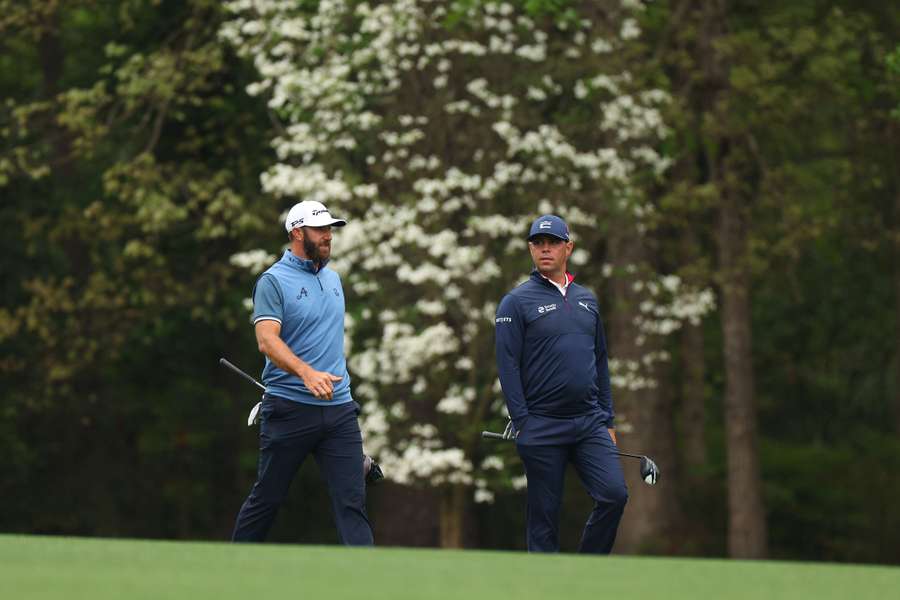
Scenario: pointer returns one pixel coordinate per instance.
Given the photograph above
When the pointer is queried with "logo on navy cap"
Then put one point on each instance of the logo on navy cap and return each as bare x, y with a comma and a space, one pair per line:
549, 225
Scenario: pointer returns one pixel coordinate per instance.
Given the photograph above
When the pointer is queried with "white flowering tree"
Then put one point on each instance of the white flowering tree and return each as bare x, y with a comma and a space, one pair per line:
441, 129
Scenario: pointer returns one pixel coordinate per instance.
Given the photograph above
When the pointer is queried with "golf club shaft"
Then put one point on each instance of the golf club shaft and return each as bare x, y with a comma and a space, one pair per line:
629, 455
237, 370
491, 435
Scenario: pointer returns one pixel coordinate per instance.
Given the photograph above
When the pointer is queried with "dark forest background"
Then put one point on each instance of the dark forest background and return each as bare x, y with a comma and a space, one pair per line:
130, 159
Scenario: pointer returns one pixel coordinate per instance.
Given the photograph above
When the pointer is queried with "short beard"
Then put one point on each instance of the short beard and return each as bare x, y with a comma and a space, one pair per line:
311, 250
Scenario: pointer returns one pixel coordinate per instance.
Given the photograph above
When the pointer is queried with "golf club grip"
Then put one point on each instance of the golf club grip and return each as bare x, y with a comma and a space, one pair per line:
491, 435
224, 362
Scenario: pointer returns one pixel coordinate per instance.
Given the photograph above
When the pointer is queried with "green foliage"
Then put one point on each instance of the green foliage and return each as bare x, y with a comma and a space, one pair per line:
129, 168
786, 105
130, 164
893, 64
834, 500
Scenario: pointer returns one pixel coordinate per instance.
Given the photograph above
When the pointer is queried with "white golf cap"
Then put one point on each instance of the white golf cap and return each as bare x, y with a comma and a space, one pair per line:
310, 213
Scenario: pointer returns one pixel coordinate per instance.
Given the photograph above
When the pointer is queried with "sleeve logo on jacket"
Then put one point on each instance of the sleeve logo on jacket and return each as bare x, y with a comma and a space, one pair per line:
503, 320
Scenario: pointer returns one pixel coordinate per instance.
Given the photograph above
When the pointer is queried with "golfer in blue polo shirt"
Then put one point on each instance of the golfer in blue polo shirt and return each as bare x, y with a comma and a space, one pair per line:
551, 358
298, 314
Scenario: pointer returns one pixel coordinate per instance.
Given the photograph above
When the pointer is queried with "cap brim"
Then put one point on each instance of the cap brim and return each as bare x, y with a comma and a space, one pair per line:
324, 223
548, 234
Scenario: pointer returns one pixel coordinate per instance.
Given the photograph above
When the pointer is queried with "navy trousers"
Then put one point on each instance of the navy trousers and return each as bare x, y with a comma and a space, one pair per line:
546, 445
288, 432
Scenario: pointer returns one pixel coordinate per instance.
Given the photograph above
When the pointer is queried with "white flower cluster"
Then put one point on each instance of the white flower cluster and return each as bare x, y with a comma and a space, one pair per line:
255, 261
457, 400
630, 374
669, 303
402, 351
440, 159
419, 463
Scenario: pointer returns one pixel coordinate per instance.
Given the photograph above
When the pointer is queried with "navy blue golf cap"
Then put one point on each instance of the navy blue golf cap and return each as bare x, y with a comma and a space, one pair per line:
549, 225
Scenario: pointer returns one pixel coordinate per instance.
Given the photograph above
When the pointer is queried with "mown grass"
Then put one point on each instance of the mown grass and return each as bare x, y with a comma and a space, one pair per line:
35, 567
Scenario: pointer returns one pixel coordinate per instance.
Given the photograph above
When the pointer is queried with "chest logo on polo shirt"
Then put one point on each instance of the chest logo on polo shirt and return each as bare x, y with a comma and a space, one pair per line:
546, 308
303, 293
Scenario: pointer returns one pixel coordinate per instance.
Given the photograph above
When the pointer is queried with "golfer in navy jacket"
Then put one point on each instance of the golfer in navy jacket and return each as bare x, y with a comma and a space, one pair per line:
298, 314
551, 358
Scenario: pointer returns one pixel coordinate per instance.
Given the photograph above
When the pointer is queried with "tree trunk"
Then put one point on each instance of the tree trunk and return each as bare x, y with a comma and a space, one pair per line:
693, 366
746, 516
453, 509
403, 515
643, 415
693, 405
897, 305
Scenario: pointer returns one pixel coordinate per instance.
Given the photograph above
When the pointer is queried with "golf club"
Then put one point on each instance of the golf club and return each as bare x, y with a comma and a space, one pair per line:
253, 417
236, 369
649, 471
372, 469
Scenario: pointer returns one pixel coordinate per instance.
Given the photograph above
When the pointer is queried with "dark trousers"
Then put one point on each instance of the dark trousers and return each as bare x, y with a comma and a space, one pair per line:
546, 446
288, 432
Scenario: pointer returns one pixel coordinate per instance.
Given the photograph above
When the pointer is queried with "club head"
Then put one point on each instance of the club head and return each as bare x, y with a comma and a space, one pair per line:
649, 471
253, 417
373, 471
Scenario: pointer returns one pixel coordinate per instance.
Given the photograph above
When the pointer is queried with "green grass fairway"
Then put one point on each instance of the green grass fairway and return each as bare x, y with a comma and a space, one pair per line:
36, 568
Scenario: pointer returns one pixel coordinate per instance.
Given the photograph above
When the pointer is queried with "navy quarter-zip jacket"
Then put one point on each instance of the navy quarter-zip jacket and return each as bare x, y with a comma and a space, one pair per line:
551, 352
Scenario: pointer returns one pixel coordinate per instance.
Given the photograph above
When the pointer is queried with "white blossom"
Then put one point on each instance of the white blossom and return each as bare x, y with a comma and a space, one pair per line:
255, 261
437, 222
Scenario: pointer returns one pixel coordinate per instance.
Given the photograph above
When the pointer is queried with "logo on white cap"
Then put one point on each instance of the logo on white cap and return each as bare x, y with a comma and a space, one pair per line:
310, 213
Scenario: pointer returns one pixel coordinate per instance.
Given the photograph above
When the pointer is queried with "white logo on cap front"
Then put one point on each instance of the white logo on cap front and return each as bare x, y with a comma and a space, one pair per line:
545, 225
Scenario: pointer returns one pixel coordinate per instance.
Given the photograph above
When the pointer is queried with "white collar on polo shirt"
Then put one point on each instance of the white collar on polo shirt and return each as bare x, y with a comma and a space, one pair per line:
562, 288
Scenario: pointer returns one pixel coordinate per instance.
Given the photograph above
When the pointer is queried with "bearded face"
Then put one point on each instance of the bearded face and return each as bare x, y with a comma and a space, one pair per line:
317, 243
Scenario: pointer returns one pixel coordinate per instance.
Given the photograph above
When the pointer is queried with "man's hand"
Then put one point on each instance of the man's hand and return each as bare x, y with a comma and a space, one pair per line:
612, 435
320, 383
510, 432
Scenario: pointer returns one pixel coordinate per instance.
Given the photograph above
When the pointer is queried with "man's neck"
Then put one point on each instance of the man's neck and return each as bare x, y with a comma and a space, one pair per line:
558, 278
297, 250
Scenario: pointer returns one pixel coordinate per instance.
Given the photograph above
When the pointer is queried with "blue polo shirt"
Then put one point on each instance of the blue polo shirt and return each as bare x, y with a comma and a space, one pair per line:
551, 352
309, 304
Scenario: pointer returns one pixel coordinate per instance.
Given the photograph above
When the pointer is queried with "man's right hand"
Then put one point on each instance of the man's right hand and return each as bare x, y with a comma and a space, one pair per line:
320, 383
